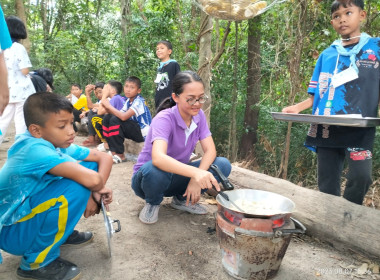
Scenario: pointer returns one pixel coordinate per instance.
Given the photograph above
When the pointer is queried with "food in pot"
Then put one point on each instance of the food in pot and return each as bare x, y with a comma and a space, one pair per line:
253, 207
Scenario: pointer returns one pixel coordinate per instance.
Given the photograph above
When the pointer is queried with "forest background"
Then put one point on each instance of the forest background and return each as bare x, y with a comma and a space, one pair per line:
250, 68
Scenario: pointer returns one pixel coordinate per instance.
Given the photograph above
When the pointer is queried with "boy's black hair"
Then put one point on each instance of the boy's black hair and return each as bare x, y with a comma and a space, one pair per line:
16, 28
46, 74
116, 85
76, 85
135, 80
345, 3
99, 85
38, 106
166, 43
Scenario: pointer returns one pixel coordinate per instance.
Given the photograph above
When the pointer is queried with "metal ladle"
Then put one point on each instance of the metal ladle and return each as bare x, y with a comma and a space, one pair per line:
225, 197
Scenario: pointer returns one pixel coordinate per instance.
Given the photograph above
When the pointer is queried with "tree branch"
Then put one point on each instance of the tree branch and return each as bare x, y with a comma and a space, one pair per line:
222, 47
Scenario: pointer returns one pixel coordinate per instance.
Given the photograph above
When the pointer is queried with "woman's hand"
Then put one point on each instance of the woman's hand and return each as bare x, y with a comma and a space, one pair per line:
193, 192
92, 208
205, 179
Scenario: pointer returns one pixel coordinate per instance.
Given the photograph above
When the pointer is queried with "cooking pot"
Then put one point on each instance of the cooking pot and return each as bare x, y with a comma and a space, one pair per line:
257, 203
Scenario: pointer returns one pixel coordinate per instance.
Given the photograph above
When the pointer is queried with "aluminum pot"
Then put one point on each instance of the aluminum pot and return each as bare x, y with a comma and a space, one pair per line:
257, 203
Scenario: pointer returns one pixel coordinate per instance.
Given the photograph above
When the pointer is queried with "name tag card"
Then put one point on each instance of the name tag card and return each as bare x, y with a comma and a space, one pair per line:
343, 77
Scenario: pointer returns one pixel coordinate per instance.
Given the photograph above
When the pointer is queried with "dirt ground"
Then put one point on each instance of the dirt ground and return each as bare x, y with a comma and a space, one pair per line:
179, 246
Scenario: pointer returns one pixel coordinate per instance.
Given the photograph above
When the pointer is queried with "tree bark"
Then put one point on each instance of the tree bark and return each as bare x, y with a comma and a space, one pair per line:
205, 53
125, 6
20, 11
295, 56
233, 138
251, 115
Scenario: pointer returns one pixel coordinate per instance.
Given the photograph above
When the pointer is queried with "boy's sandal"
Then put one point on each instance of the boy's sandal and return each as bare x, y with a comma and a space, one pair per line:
116, 159
101, 148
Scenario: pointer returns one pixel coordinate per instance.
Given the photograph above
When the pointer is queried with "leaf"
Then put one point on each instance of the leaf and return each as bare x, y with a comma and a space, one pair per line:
375, 269
211, 201
363, 269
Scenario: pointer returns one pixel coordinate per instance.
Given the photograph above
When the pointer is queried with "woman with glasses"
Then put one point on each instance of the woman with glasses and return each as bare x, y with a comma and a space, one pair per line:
163, 168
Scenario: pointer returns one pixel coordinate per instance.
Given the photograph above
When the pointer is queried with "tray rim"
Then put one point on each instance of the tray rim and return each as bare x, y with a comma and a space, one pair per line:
330, 120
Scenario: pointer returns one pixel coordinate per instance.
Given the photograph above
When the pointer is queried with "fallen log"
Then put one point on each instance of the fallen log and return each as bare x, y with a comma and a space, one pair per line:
329, 218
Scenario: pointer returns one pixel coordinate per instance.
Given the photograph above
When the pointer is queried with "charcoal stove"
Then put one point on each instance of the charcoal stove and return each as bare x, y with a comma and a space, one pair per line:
253, 246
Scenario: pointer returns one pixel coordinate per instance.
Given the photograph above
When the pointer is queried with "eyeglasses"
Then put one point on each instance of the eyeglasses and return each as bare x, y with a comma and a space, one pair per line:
201, 100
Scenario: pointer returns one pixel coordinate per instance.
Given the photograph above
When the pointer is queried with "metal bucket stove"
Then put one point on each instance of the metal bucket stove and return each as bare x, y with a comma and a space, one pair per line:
252, 246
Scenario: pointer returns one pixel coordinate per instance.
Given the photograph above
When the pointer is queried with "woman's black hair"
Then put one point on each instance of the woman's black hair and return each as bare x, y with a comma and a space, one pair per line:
16, 28
345, 3
179, 81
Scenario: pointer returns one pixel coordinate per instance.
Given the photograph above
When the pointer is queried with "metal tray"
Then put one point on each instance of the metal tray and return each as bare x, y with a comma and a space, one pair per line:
342, 120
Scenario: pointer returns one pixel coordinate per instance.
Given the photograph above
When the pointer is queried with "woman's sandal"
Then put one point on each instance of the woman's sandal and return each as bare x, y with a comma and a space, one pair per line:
116, 159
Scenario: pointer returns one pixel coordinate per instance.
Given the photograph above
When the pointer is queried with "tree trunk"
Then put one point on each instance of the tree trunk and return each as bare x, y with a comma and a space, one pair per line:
125, 6
20, 11
204, 64
295, 56
251, 116
233, 130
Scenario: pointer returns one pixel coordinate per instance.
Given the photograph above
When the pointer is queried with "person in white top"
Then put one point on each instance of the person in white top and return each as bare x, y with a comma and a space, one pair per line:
20, 85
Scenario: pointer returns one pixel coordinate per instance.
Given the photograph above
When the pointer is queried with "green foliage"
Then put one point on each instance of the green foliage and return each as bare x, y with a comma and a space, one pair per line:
82, 42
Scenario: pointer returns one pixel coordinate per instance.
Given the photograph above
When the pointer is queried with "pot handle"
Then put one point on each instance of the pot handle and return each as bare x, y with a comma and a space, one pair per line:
300, 229
118, 225
226, 184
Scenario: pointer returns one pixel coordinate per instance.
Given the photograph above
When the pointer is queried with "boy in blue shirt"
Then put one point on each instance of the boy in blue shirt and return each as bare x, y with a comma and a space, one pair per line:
346, 80
131, 122
46, 184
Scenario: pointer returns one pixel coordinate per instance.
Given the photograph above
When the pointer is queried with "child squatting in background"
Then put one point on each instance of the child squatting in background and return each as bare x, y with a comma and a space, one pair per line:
131, 122
46, 185
163, 168
346, 80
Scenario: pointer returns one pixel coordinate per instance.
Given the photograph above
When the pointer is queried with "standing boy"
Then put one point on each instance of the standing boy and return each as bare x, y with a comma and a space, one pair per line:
131, 122
166, 71
345, 81
46, 184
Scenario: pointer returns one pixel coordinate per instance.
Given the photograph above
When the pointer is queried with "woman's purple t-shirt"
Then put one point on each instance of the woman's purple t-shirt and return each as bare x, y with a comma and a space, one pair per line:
169, 126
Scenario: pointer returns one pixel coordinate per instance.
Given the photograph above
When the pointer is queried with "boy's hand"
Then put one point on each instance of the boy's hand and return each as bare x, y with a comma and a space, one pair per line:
105, 104
105, 193
291, 109
92, 208
106, 92
88, 89
82, 115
